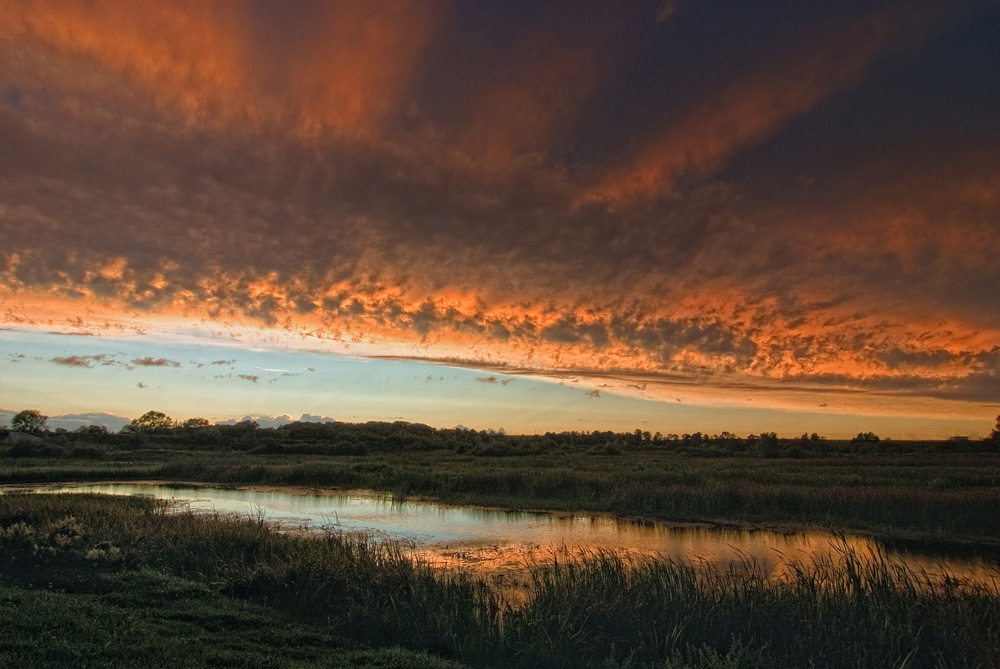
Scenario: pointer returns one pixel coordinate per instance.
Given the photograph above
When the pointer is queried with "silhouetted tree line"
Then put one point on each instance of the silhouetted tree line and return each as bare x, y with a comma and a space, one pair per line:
156, 429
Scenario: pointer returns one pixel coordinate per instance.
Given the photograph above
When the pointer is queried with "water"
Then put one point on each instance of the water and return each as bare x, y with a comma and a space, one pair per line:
501, 544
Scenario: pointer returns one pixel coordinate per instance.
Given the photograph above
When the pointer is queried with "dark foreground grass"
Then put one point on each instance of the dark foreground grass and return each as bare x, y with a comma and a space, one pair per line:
70, 616
221, 592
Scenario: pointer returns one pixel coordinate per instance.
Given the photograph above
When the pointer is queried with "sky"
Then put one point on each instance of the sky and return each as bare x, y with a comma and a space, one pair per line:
673, 215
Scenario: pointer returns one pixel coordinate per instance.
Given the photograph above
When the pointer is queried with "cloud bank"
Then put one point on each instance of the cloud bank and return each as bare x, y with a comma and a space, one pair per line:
700, 193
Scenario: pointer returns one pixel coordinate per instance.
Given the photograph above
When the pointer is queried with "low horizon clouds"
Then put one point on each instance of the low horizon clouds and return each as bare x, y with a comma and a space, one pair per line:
114, 422
112, 360
108, 360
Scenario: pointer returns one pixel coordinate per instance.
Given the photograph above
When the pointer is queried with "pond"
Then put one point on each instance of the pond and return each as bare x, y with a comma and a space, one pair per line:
502, 544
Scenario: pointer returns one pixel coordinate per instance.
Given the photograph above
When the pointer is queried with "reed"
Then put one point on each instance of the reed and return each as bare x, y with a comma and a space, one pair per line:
927, 493
605, 610
849, 613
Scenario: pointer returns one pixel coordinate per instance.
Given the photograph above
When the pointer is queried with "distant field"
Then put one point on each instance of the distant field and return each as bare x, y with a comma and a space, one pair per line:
930, 490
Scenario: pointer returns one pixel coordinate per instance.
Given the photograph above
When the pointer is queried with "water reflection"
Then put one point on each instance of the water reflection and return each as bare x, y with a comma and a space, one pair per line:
502, 544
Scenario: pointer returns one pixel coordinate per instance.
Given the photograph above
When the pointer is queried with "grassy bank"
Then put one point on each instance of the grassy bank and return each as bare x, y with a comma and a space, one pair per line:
937, 490
59, 615
197, 583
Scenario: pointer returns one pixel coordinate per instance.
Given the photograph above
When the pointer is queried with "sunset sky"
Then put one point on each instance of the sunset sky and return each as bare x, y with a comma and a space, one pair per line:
673, 215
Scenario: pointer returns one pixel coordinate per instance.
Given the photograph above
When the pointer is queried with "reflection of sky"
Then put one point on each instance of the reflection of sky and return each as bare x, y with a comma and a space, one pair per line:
269, 381
495, 541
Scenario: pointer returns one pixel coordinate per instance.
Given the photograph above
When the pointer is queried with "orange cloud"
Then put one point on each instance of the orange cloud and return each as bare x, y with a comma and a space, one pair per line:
355, 67
547, 74
191, 54
160, 223
921, 214
345, 67
755, 107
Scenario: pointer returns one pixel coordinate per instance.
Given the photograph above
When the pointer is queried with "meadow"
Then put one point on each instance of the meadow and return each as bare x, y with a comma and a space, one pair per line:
84, 576
934, 491
90, 580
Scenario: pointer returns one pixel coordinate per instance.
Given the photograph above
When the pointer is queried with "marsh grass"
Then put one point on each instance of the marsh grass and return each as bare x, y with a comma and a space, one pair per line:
899, 491
366, 590
606, 610
887, 497
848, 613
52, 616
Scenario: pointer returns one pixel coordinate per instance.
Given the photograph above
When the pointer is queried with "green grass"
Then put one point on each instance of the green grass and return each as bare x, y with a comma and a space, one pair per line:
84, 576
76, 617
861, 614
362, 590
927, 494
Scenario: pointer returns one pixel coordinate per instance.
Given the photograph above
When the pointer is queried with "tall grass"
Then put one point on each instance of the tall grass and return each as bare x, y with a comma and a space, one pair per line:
604, 611
367, 590
678, 490
852, 613
901, 490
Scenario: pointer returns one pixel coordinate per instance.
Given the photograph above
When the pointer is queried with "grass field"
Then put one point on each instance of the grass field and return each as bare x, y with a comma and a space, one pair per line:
933, 490
99, 581
84, 577
59, 615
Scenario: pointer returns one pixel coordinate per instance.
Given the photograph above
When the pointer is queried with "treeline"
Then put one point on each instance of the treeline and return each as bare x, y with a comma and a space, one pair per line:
359, 439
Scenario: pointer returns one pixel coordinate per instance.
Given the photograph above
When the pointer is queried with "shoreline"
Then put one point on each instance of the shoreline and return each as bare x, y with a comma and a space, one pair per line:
960, 542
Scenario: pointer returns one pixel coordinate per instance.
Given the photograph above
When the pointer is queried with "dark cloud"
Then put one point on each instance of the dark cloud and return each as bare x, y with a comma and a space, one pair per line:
563, 332
73, 361
897, 359
84, 360
111, 360
248, 377
526, 182
157, 362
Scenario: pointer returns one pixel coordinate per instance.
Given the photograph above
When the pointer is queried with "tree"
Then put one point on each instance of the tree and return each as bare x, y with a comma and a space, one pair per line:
29, 420
766, 444
195, 422
995, 435
151, 421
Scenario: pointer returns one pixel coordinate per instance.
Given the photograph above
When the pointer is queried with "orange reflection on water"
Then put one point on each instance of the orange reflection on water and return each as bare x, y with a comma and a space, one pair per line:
502, 547
773, 554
